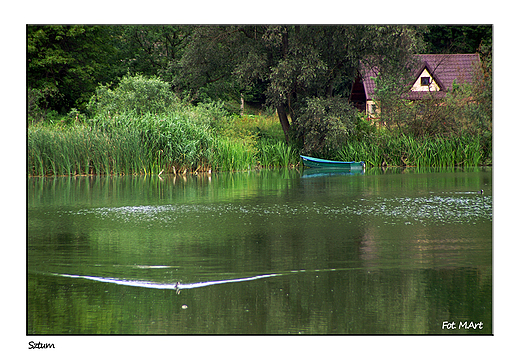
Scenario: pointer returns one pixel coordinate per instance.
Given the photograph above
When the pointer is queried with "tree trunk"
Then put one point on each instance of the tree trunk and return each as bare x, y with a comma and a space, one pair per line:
282, 115
280, 109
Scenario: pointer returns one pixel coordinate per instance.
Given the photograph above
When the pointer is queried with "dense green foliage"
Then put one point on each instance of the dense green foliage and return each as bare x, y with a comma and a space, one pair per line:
138, 94
65, 64
326, 124
154, 98
464, 39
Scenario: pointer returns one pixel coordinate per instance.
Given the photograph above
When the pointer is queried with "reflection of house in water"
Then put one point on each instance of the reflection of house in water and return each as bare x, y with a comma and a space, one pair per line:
433, 75
368, 248
379, 248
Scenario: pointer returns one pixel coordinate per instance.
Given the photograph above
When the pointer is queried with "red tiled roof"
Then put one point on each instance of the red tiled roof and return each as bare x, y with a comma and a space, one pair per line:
444, 68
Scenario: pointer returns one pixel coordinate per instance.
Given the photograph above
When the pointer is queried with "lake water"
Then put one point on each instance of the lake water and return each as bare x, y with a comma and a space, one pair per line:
268, 252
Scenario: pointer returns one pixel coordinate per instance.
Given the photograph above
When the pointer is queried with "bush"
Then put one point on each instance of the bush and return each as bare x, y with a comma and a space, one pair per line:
34, 111
134, 94
37, 106
364, 128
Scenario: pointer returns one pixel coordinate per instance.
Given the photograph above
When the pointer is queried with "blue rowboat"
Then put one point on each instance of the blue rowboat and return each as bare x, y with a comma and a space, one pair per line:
321, 163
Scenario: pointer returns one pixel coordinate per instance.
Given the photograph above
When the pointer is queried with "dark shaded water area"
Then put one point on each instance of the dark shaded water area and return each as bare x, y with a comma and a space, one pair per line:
402, 251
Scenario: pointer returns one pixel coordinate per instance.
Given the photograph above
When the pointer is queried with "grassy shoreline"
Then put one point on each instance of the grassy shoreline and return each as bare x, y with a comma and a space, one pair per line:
152, 144
176, 143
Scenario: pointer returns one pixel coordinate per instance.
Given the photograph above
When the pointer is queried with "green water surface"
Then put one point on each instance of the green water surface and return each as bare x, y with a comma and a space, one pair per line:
267, 252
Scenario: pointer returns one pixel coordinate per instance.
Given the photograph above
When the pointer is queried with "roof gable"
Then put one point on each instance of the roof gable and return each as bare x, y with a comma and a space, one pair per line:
444, 69
451, 67
425, 81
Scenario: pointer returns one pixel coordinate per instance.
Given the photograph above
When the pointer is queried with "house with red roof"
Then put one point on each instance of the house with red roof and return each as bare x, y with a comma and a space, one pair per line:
433, 76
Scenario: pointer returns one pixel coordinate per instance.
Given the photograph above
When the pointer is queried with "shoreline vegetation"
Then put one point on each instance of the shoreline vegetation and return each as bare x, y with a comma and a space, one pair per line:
204, 139
154, 144
142, 99
142, 127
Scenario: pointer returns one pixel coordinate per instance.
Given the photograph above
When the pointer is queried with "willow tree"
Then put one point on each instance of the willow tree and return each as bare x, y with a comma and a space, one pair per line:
296, 64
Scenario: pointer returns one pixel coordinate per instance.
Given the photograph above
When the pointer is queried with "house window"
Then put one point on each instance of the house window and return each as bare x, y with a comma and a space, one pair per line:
372, 108
425, 81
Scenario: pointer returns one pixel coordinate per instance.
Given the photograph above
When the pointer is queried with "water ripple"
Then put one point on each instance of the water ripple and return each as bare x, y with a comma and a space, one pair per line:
165, 286
446, 209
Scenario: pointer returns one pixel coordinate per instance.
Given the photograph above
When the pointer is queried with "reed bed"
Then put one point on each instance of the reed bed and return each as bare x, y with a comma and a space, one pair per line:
276, 153
233, 155
148, 144
183, 141
82, 151
123, 145
408, 151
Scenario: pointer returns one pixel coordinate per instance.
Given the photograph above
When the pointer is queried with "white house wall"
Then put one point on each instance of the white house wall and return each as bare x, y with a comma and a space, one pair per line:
418, 87
369, 105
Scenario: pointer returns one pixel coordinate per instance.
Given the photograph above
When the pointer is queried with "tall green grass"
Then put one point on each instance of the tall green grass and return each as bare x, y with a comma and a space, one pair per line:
250, 125
409, 151
199, 140
178, 141
83, 150
276, 153
233, 155
125, 144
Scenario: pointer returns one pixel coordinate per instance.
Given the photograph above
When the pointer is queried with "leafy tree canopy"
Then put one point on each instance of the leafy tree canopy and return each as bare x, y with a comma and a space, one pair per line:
294, 63
453, 39
67, 62
150, 50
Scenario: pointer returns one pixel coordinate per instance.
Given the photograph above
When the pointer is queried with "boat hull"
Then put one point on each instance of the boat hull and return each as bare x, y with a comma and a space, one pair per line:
321, 163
